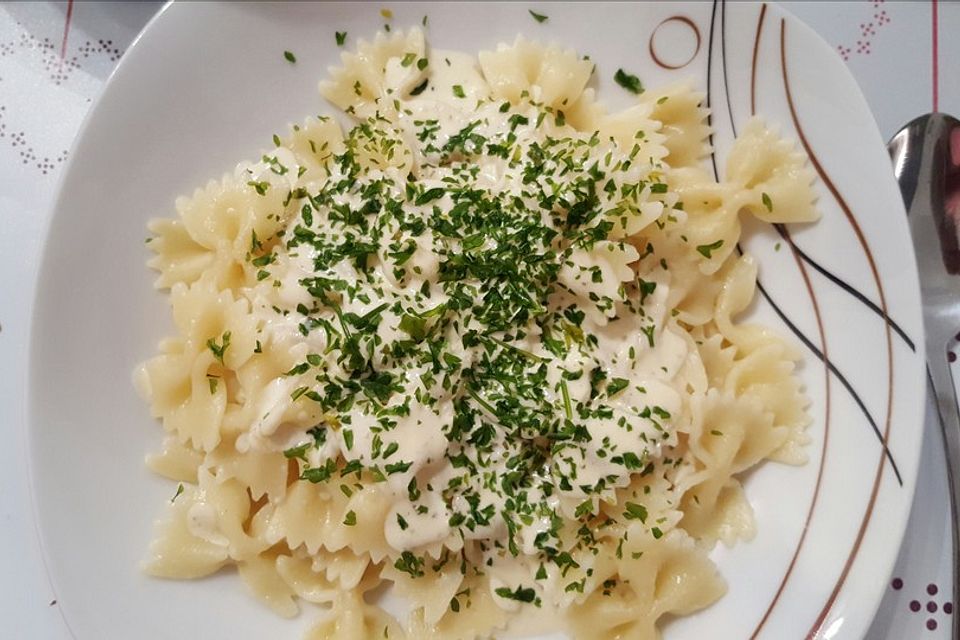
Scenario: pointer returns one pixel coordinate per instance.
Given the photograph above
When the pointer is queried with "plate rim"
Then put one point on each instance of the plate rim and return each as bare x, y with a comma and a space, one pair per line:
44, 272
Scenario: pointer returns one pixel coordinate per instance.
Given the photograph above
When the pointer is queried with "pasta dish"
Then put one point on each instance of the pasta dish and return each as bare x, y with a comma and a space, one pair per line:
480, 345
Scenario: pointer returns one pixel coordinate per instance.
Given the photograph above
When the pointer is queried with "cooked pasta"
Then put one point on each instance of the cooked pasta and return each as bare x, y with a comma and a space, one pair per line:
482, 346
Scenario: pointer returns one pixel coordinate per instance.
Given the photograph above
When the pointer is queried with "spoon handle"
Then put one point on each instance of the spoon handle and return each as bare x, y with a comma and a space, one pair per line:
941, 381
926, 163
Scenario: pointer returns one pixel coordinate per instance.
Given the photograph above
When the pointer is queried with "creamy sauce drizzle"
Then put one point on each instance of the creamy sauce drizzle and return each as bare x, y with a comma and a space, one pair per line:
631, 342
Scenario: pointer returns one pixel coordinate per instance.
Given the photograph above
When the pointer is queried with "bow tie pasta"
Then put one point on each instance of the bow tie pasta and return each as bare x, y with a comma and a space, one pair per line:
482, 345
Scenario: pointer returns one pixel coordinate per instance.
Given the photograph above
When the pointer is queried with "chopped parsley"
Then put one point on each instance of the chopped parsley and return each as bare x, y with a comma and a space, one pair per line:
706, 250
219, 349
539, 17
628, 81
417, 90
299, 451
410, 564
617, 385
261, 186
429, 195
290, 57
341, 37
520, 594
472, 308
635, 511
767, 202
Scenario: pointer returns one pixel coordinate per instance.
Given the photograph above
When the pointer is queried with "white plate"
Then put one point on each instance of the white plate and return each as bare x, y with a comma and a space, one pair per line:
206, 85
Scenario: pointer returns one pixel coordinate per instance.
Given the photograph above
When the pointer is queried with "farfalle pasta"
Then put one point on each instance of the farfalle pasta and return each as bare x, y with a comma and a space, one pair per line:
483, 346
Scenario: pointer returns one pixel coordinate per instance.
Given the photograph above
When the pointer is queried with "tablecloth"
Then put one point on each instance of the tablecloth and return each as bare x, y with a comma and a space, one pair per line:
54, 60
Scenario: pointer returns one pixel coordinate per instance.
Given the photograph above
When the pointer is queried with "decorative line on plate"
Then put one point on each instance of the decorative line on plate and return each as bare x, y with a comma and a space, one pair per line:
803, 255
831, 367
817, 627
828, 366
753, 64
843, 379
723, 63
66, 30
885, 434
683, 20
853, 292
713, 153
881, 438
800, 258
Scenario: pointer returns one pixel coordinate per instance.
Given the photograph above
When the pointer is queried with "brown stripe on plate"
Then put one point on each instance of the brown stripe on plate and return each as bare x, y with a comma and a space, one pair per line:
753, 66
826, 359
817, 626
653, 52
826, 427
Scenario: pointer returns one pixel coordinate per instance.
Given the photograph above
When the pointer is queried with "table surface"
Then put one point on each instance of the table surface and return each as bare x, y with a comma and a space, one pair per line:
54, 60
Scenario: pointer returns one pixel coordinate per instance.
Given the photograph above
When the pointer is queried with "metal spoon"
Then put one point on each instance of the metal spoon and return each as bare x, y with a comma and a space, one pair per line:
926, 162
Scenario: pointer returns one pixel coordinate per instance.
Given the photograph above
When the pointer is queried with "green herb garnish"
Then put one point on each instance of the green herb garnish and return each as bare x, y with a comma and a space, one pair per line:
628, 81
706, 250
261, 187
635, 511
219, 349
520, 594
767, 202
539, 17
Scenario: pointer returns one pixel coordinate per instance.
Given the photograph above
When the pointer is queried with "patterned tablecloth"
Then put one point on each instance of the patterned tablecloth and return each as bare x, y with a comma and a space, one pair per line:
54, 60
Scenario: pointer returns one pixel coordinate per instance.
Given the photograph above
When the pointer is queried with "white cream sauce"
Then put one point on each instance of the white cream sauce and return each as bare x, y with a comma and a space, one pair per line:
635, 345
